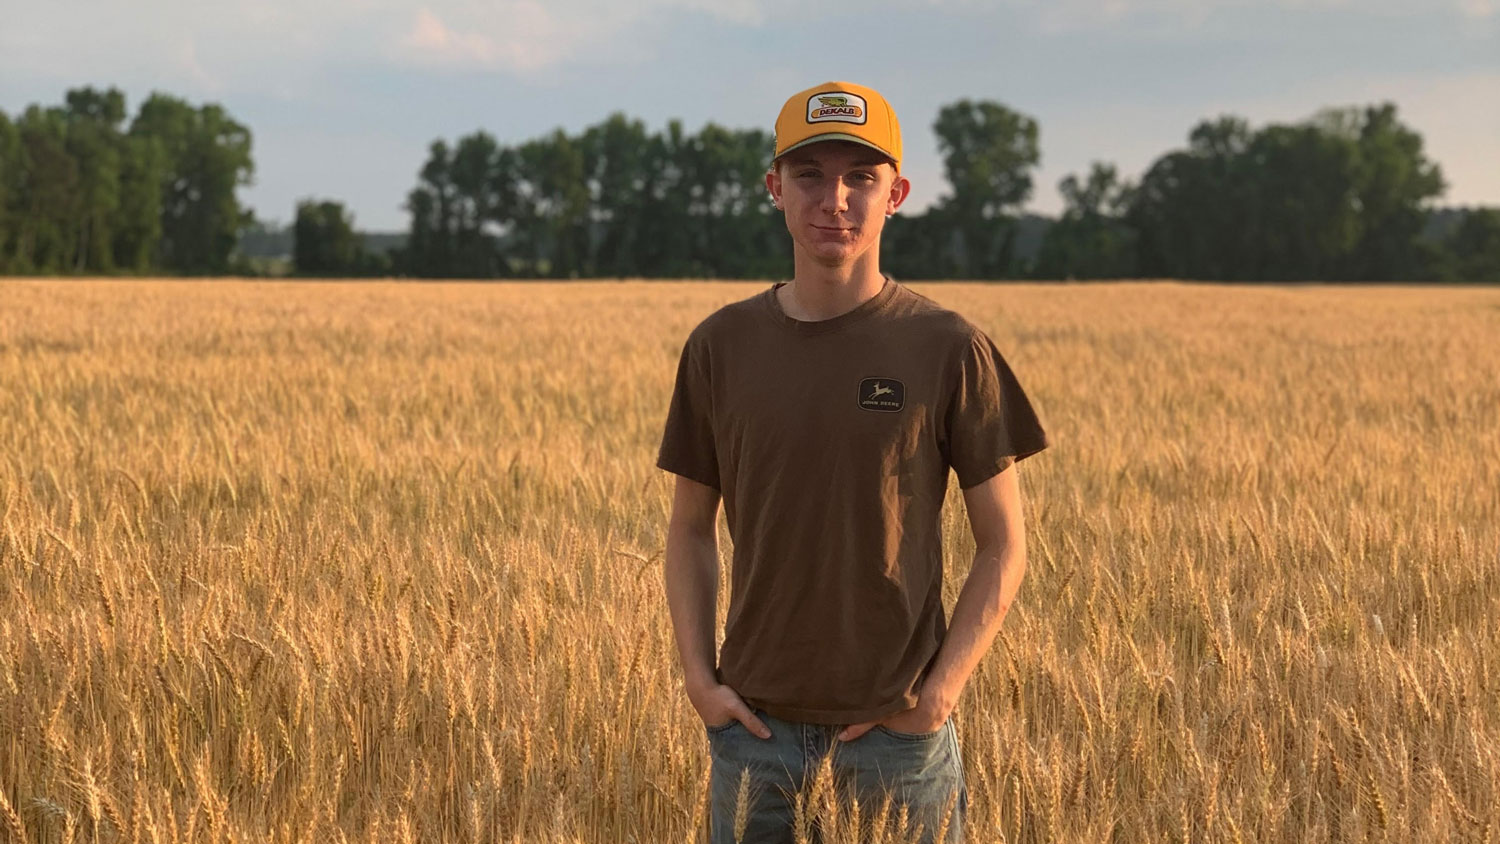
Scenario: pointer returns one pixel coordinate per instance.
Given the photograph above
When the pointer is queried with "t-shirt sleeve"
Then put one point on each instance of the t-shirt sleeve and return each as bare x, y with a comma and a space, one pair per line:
687, 444
990, 421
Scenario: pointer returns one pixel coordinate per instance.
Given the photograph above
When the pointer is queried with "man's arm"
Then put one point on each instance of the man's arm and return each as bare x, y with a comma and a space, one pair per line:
994, 579
995, 518
692, 583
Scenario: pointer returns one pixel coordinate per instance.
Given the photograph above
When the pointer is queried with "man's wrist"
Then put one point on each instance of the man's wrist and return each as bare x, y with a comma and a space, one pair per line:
699, 681
937, 699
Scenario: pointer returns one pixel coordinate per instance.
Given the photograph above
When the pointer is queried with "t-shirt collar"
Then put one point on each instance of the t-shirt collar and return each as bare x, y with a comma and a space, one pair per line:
860, 312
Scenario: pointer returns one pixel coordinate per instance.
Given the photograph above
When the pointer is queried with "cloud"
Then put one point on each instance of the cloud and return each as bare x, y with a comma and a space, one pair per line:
1479, 8
531, 40
526, 36
188, 47
190, 64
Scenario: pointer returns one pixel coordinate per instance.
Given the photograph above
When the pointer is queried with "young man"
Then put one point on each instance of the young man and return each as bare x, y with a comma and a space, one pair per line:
827, 412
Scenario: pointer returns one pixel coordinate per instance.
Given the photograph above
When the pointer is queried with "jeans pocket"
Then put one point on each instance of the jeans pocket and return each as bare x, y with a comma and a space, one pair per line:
715, 729
896, 734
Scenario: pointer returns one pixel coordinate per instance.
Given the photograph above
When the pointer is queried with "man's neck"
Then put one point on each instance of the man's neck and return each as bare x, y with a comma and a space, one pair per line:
818, 292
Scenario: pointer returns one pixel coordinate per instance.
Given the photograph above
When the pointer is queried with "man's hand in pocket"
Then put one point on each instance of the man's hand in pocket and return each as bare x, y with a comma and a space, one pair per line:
718, 705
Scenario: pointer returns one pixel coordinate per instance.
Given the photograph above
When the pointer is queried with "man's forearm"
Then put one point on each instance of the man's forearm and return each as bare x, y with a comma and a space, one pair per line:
692, 583
987, 593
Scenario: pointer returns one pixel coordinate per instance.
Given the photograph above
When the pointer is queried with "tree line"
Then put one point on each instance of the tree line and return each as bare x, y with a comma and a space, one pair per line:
83, 192
1346, 195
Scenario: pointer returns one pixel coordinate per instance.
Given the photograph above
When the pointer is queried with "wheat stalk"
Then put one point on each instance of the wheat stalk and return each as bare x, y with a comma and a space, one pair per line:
12, 820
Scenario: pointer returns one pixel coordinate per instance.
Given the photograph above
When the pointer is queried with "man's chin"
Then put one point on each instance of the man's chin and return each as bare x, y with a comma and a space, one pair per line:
833, 254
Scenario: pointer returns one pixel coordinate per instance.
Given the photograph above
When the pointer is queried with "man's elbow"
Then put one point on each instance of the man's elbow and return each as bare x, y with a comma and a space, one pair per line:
691, 535
1005, 555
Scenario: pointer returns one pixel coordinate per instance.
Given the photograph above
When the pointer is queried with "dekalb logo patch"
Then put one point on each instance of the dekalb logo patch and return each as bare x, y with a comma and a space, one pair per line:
883, 394
836, 107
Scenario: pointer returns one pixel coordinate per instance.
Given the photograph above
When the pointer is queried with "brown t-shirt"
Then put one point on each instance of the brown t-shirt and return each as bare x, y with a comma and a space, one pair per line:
831, 442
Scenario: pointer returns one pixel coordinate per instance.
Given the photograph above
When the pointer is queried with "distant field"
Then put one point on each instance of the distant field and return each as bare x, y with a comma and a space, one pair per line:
378, 561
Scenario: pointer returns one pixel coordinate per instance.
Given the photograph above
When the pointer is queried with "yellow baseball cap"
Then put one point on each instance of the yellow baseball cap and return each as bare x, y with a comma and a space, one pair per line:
839, 111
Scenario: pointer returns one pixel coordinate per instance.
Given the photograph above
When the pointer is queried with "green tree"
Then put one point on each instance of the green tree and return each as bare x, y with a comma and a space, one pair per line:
988, 154
738, 230
137, 225
430, 244
613, 200
10, 190
1300, 218
48, 205
207, 157
63, 188
1339, 197
616, 153
1472, 253
1188, 209
553, 219
465, 200
481, 190
916, 245
1091, 239
96, 143
1395, 183
667, 248
324, 242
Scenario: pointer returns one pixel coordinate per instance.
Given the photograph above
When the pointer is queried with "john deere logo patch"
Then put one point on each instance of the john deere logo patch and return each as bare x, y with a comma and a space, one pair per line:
836, 107
883, 394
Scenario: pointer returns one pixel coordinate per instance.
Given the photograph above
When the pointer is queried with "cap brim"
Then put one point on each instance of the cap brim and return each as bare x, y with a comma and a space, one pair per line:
836, 136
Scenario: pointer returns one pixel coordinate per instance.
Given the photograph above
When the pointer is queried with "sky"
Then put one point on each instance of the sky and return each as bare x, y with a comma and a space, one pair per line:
343, 97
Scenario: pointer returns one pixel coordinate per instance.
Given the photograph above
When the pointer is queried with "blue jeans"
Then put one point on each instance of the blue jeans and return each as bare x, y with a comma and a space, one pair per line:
923, 772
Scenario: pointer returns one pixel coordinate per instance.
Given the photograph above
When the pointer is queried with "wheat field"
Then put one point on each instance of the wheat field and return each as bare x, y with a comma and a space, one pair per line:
379, 561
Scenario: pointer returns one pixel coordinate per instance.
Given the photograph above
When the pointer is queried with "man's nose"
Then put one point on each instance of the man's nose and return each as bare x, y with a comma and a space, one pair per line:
836, 196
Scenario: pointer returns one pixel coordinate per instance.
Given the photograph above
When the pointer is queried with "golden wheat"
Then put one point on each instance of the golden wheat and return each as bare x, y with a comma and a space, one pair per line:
381, 562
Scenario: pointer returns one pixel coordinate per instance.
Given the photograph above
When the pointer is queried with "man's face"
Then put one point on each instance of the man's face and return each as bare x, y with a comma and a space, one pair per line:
836, 195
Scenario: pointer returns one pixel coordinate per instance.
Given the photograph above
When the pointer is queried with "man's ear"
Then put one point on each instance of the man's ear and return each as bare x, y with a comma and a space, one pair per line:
773, 184
900, 189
